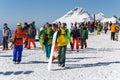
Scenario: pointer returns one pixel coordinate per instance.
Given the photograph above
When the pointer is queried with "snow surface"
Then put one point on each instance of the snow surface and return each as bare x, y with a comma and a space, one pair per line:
100, 61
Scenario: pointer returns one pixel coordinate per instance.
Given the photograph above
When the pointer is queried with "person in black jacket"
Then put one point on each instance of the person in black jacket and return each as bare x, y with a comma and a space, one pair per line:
30, 35
75, 37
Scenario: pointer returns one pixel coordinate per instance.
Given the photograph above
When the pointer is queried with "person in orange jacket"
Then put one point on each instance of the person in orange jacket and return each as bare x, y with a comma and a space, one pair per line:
18, 44
113, 30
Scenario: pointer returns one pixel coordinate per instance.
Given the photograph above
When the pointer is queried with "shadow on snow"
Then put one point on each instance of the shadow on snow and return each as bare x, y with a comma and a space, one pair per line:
76, 66
16, 73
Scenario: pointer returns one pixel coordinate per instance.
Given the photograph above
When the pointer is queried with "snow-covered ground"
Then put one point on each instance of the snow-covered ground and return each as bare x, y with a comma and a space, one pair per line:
100, 61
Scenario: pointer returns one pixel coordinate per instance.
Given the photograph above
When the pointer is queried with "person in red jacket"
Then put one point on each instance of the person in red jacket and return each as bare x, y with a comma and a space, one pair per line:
18, 44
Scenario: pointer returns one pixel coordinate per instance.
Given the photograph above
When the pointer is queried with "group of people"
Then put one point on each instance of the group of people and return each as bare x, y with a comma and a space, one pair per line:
21, 37
77, 34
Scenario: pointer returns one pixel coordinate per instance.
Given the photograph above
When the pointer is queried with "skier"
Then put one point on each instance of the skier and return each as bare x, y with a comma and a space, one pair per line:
6, 35
18, 44
75, 37
30, 35
48, 35
62, 39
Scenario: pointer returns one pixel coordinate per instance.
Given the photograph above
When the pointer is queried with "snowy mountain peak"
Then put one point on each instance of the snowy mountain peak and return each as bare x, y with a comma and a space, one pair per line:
77, 10
75, 15
100, 16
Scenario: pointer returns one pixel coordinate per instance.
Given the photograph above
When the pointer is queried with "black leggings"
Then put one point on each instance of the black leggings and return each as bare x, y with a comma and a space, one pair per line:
5, 42
112, 35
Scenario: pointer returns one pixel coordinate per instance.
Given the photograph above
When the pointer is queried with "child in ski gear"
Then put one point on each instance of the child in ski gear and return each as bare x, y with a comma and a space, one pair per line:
6, 35
48, 35
75, 36
30, 35
62, 39
18, 44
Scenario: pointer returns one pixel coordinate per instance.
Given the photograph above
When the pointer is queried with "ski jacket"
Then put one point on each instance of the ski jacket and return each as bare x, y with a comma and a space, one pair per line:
63, 37
113, 28
81, 31
31, 33
18, 35
85, 34
48, 35
7, 32
75, 33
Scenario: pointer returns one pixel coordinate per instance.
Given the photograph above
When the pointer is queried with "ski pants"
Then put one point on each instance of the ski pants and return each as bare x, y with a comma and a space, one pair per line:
75, 40
5, 42
48, 50
112, 35
62, 54
17, 53
41, 43
29, 42
83, 43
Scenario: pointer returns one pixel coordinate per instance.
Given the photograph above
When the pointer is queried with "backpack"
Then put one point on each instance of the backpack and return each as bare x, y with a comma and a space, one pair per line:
18, 34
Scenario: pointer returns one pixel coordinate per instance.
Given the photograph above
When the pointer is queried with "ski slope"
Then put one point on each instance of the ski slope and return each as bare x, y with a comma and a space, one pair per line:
100, 61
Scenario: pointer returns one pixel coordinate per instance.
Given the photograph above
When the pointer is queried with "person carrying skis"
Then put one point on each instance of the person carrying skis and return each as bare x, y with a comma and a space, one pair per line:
6, 35
63, 36
48, 35
75, 37
18, 44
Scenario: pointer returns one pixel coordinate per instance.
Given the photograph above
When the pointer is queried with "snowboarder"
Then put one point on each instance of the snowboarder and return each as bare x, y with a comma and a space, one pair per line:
62, 39
6, 35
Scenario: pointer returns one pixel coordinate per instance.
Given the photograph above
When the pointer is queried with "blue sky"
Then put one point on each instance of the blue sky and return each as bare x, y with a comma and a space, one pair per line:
41, 11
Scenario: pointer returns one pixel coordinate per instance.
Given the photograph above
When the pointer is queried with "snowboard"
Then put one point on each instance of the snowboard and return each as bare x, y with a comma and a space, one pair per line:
52, 50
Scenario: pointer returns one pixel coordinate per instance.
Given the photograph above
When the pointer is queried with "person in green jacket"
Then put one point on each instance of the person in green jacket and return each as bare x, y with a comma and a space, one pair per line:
84, 37
98, 29
41, 34
48, 35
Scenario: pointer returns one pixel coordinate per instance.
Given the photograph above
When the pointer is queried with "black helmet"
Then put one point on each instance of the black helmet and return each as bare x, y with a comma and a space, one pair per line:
5, 24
